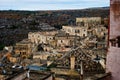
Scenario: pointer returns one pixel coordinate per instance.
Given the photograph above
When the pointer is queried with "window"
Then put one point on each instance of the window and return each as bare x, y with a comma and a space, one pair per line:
118, 41
113, 42
82, 23
77, 31
54, 38
83, 35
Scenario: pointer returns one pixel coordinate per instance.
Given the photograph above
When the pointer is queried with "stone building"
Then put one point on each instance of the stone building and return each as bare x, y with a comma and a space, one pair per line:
75, 30
100, 31
65, 40
24, 48
41, 37
88, 21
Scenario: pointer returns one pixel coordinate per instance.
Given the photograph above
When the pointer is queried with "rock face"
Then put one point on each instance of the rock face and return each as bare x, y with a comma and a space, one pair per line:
113, 56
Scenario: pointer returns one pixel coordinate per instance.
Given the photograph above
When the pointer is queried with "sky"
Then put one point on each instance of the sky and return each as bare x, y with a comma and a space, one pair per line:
51, 4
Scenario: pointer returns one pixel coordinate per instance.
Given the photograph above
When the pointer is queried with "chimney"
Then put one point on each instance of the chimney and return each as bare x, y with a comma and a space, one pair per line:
72, 62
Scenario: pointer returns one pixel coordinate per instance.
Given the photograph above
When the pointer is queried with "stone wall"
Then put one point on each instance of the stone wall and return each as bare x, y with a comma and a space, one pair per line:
113, 55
